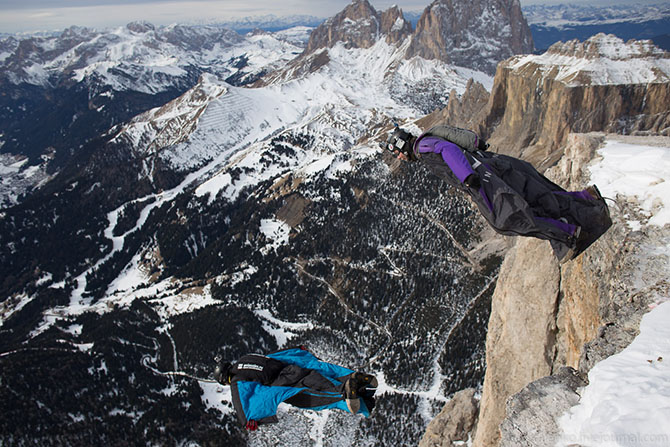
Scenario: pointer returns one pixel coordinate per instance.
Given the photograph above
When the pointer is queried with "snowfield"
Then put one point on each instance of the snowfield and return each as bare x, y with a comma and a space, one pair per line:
627, 401
636, 170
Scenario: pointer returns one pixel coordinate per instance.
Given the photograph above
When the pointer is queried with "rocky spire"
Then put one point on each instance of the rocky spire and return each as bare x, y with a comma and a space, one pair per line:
394, 25
471, 33
359, 25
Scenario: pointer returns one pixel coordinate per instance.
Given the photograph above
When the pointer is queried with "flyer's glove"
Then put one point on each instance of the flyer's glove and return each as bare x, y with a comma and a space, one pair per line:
472, 181
252, 425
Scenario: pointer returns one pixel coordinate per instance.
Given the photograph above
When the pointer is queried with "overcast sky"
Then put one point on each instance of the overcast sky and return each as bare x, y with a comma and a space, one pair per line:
43, 15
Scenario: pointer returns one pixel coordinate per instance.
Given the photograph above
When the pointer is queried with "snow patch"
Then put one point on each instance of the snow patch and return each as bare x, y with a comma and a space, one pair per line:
217, 397
282, 331
636, 170
277, 231
627, 401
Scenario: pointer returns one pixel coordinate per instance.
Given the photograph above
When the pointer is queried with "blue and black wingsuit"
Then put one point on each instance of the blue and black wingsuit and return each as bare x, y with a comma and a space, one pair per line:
259, 383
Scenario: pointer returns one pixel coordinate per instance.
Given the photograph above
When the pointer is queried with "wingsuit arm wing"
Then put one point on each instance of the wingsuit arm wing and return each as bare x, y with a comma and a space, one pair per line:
305, 359
254, 401
451, 154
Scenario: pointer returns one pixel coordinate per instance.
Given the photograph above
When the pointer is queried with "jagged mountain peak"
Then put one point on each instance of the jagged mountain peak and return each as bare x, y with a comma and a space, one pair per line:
475, 34
394, 25
359, 25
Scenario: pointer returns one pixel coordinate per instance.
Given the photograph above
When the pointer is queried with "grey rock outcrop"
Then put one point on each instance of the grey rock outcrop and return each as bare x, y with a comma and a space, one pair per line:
475, 34
452, 426
532, 413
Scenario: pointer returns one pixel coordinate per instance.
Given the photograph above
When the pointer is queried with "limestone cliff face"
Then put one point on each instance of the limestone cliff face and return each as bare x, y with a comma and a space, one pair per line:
536, 101
522, 330
547, 316
475, 34
466, 111
599, 308
543, 313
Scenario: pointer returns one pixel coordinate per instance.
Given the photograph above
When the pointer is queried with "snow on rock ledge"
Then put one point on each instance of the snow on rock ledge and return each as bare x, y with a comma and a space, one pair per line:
601, 60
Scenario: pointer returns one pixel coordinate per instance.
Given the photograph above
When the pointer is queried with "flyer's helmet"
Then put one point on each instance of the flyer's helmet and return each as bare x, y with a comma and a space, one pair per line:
400, 140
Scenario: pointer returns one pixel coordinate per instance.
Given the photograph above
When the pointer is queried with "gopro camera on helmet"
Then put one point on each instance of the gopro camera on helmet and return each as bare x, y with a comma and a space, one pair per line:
399, 140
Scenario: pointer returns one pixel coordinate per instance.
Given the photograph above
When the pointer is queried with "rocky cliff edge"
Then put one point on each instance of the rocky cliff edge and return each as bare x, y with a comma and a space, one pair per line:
550, 323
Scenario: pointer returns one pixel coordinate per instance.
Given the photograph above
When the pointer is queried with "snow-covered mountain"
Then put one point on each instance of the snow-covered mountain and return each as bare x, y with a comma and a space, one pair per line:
554, 23
228, 218
145, 58
600, 60
66, 89
234, 205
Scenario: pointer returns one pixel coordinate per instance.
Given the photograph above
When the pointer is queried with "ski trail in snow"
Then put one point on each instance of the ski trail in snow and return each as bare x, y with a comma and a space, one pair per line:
78, 302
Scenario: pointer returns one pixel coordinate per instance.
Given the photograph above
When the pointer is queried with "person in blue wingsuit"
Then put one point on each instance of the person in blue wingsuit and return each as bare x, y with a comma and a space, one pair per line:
259, 383
512, 196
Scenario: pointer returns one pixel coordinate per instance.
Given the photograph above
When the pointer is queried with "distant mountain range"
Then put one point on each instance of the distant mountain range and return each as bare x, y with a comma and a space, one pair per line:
550, 24
271, 23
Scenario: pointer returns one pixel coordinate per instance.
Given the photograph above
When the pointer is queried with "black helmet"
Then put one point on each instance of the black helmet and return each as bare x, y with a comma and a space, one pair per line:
400, 140
222, 371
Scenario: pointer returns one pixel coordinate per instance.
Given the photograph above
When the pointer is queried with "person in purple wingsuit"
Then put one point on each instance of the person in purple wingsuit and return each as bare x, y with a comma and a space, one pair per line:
512, 196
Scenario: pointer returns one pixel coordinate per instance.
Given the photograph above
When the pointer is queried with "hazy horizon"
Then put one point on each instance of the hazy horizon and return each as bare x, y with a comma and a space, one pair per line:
44, 15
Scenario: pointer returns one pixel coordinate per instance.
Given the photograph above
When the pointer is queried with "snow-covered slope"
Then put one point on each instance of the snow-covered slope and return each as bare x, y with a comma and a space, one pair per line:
357, 90
65, 89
